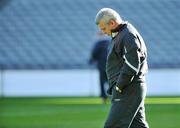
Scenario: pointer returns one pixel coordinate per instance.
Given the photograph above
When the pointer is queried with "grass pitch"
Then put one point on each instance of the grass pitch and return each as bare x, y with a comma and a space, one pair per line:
86, 112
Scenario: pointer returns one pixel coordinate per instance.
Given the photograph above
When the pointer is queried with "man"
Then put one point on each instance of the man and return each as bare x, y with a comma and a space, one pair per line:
126, 67
99, 55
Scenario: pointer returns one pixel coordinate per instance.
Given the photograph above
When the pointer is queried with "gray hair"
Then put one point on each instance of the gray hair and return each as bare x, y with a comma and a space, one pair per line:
107, 14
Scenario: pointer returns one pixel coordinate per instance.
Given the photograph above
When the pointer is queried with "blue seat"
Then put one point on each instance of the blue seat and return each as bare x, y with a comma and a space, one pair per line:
60, 33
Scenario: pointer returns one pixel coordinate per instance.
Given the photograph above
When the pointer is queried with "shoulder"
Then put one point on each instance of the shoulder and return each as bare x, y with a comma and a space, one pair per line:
130, 31
127, 32
126, 36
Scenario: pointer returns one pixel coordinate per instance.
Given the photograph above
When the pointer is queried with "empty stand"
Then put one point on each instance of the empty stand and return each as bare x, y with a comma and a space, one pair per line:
59, 34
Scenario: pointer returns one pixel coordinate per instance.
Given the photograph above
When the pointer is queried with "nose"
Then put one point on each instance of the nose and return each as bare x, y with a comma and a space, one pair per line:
104, 32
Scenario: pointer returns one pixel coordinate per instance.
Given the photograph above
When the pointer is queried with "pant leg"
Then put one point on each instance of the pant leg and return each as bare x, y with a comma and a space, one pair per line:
140, 120
125, 106
103, 80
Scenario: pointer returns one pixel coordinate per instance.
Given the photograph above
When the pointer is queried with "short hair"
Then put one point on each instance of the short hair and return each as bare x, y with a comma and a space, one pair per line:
107, 14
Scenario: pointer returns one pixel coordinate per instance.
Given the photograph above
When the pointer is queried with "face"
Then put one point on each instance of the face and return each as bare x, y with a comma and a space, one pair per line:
106, 28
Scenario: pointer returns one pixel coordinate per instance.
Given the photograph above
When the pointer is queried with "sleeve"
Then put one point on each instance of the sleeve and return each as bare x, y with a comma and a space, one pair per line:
95, 53
131, 61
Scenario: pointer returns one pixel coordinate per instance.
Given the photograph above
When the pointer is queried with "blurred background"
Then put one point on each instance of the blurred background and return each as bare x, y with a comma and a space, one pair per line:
45, 46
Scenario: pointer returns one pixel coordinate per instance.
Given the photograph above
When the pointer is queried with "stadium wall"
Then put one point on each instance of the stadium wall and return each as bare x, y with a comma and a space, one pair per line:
77, 82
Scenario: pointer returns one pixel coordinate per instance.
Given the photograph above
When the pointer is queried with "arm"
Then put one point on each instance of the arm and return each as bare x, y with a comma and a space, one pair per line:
131, 61
95, 53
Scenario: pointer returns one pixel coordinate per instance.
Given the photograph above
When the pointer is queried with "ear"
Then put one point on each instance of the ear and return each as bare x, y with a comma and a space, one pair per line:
112, 23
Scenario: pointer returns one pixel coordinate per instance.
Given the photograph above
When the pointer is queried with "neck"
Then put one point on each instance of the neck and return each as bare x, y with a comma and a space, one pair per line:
116, 29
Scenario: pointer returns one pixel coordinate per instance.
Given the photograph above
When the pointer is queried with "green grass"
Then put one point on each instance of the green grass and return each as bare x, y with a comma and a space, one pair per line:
87, 112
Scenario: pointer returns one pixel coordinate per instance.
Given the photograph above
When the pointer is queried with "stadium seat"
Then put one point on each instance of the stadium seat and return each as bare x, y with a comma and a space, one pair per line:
59, 34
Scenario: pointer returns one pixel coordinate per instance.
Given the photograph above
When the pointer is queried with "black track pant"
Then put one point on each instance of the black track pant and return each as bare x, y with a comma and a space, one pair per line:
103, 80
127, 109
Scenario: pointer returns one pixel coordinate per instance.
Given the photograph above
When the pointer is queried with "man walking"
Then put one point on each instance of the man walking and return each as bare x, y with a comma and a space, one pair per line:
126, 67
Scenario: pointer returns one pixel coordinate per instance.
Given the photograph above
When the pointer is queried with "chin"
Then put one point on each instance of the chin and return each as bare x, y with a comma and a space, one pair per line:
109, 34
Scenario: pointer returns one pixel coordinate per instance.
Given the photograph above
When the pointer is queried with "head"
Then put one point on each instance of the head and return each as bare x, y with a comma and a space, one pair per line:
107, 19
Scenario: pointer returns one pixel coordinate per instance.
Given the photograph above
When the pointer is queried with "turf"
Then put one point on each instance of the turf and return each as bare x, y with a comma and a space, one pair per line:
87, 112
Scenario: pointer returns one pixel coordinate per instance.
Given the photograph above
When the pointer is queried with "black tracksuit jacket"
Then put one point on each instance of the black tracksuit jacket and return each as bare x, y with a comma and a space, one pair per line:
127, 57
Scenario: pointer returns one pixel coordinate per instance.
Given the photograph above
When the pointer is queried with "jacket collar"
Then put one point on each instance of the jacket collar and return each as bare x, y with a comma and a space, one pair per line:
119, 28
